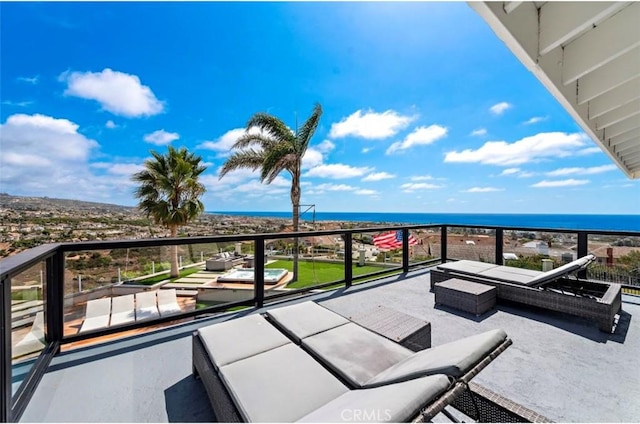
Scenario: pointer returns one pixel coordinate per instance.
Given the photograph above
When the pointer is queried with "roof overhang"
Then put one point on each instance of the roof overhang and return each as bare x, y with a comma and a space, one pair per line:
587, 54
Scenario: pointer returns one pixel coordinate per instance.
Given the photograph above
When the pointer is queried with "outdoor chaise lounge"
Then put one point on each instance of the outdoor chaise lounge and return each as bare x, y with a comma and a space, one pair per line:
33, 341
552, 290
306, 363
168, 302
97, 314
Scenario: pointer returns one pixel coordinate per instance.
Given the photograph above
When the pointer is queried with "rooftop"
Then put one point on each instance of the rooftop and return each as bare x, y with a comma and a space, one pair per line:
560, 366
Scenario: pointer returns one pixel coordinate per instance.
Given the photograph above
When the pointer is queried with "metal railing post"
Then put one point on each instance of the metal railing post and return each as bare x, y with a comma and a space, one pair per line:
405, 250
258, 270
348, 259
54, 298
583, 250
499, 246
5, 352
443, 243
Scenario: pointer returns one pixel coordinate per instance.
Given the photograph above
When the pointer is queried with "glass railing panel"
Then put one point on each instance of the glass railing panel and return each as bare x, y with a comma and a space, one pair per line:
27, 320
617, 259
320, 261
539, 250
474, 244
375, 252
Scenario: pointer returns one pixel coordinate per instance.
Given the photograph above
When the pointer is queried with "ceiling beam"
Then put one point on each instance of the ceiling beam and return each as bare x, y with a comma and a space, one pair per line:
621, 128
615, 98
628, 111
629, 135
594, 49
627, 145
562, 21
620, 70
510, 6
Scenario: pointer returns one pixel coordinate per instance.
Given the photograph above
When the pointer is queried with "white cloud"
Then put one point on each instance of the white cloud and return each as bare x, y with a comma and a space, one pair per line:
378, 176
161, 137
30, 80
334, 187
311, 158
411, 187
337, 171
529, 149
421, 178
366, 149
535, 120
117, 92
366, 192
510, 171
482, 190
370, 125
500, 108
588, 151
326, 146
126, 169
421, 136
223, 144
110, 124
479, 132
560, 183
47, 156
582, 171
18, 104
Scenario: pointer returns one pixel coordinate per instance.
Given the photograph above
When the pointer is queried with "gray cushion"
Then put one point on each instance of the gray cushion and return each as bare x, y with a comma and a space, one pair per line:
305, 319
240, 338
395, 403
466, 267
561, 271
281, 385
453, 359
510, 274
355, 353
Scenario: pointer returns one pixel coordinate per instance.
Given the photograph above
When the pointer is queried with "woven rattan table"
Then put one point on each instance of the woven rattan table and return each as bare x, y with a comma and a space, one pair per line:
409, 331
465, 295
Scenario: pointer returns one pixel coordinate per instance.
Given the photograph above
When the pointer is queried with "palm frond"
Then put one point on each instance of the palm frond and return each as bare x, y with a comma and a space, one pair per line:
251, 159
307, 130
271, 125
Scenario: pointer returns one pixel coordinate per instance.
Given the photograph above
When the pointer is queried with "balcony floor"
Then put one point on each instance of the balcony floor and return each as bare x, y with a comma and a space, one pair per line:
560, 366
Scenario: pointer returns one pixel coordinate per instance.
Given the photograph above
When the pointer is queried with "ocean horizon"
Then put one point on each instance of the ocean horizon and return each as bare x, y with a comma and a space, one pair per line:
548, 221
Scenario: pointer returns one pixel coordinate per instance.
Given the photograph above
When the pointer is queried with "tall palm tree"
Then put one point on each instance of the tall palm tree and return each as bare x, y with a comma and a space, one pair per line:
169, 191
275, 149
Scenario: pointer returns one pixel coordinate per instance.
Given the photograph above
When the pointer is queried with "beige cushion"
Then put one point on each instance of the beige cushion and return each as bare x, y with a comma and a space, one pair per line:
561, 271
281, 385
466, 267
453, 359
394, 403
240, 338
305, 319
510, 274
355, 353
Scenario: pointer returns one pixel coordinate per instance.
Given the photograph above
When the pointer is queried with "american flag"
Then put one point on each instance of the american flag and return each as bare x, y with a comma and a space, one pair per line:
392, 240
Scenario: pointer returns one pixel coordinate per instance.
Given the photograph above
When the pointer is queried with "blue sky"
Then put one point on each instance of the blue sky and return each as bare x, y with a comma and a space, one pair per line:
425, 109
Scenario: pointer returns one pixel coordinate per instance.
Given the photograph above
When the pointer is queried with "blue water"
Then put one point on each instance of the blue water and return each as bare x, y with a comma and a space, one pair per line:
550, 221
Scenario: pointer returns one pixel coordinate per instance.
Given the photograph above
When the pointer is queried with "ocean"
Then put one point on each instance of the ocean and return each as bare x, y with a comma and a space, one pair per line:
550, 221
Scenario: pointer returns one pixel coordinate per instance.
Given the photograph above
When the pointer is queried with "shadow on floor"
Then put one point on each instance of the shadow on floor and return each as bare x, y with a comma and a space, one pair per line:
187, 402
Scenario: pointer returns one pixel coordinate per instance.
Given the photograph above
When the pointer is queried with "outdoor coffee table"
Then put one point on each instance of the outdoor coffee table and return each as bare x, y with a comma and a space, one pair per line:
465, 295
409, 331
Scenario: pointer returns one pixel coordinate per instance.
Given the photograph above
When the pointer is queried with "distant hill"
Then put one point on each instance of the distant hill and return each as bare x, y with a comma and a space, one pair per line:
41, 203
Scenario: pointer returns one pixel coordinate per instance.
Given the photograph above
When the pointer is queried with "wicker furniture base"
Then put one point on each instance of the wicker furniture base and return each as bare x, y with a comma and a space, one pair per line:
411, 332
486, 406
465, 295
554, 297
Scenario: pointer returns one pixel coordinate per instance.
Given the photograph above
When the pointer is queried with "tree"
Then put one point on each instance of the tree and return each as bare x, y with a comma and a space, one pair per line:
275, 149
169, 191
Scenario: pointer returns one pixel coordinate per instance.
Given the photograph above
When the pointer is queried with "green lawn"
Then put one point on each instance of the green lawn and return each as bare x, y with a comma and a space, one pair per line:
156, 279
312, 273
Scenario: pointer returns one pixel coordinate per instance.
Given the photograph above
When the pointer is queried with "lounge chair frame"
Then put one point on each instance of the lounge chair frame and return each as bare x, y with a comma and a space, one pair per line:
598, 301
225, 409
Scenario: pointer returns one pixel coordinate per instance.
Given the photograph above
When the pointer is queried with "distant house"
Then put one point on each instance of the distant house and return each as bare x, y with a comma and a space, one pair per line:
609, 255
540, 247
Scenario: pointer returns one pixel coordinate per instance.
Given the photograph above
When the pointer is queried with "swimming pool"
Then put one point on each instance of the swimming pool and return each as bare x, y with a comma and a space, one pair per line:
245, 275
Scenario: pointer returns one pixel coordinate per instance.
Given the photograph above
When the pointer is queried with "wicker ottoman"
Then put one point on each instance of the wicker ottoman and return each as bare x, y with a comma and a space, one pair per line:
409, 331
465, 295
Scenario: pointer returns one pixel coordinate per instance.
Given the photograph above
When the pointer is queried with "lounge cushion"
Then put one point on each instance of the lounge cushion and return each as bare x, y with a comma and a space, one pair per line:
240, 338
356, 354
397, 403
305, 319
561, 271
281, 385
467, 267
510, 274
453, 359
123, 309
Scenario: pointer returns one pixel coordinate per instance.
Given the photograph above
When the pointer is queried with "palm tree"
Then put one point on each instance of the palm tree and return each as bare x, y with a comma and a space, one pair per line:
169, 191
275, 149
